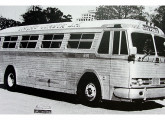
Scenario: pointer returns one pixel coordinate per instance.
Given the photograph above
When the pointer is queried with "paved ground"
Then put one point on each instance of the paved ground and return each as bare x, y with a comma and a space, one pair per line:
25, 100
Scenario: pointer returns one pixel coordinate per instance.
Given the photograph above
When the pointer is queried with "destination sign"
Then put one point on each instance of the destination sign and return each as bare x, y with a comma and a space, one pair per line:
151, 29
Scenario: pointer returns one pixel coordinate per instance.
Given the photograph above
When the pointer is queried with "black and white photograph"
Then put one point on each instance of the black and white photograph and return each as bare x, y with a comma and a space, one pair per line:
82, 59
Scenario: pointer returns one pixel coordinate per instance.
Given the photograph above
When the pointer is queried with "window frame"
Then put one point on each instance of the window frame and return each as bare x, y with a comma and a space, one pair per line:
81, 40
147, 33
52, 41
155, 44
10, 42
28, 41
120, 38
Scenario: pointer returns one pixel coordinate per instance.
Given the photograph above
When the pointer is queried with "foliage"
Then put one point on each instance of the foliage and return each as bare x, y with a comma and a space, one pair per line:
120, 12
37, 15
159, 18
5, 23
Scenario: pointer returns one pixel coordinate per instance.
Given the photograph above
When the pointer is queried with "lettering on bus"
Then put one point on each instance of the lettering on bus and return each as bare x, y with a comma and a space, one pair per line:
49, 27
149, 28
44, 27
57, 26
74, 25
29, 28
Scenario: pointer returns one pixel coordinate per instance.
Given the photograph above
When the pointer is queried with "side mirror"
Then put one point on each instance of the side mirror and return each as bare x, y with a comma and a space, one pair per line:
133, 52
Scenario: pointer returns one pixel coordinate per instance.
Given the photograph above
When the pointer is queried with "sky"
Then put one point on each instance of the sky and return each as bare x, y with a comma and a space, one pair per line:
15, 12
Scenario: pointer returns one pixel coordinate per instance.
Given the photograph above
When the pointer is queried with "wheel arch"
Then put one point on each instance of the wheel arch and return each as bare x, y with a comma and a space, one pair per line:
9, 67
85, 74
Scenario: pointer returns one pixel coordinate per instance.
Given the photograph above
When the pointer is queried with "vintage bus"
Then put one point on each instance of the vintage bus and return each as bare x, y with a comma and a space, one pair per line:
119, 60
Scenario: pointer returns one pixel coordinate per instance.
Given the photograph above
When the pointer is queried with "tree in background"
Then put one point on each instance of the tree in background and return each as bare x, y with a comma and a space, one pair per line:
120, 12
54, 15
34, 15
5, 23
37, 15
159, 18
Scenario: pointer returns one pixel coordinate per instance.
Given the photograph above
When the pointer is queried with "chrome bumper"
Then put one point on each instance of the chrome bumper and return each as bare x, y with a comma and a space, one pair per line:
141, 93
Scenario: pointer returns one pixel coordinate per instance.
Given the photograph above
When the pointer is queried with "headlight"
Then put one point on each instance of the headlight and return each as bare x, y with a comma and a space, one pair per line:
140, 81
137, 82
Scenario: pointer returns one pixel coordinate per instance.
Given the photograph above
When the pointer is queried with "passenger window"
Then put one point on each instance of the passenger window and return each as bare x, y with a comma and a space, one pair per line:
124, 49
104, 45
25, 37
29, 41
34, 37
52, 41
81, 41
5, 44
87, 36
85, 45
73, 44
48, 37
116, 39
75, 36
12, 45
57, 37
14, 38
10, 41
31, 44
7, 38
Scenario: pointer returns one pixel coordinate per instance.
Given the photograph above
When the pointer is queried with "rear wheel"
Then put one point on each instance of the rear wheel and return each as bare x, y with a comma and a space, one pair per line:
90, 93
10, 80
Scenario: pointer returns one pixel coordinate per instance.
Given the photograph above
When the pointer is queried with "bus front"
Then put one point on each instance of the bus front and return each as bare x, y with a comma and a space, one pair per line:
147, 65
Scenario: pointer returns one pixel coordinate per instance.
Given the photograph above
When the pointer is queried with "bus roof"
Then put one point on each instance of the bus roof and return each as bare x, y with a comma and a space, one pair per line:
117, 23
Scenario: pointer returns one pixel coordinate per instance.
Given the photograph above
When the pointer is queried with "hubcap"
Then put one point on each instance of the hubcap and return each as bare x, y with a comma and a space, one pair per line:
90, 91
10, 79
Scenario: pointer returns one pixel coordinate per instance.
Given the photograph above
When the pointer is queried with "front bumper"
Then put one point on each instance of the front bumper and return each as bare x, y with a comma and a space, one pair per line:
139, 93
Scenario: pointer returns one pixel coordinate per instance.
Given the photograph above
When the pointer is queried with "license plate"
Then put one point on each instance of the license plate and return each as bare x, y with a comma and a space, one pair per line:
155, 81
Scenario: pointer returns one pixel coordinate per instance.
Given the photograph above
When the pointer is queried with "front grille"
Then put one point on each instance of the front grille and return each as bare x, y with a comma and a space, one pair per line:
155, 81
162, 81
152, 81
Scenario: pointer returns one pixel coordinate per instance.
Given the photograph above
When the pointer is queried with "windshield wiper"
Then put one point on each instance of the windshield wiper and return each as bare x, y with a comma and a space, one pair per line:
147, 54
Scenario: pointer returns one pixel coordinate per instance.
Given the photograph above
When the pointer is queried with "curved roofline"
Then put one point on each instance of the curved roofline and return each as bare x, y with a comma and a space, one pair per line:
76, 24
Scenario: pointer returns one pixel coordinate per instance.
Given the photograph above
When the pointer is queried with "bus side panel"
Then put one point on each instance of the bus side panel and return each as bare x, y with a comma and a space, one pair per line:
77, 66
120, 73
2, 68
10, 58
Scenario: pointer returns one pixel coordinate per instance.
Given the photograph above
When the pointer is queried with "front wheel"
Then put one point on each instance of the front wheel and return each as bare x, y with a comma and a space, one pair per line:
90, 93
10, 80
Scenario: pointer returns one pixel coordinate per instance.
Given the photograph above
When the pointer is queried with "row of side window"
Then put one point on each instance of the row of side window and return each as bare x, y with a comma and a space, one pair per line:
76, 41
119, 43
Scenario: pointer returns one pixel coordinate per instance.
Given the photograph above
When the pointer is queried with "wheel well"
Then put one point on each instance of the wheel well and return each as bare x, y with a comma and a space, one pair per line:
86, 77
9, 68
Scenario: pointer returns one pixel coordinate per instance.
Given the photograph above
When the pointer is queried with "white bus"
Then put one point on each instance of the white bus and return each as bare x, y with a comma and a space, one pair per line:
119, 60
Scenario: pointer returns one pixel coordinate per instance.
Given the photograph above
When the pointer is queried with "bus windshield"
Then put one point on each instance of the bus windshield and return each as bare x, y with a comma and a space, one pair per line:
143, 43
160, 45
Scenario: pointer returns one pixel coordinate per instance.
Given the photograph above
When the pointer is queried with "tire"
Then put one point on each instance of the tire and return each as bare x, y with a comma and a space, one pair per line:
10, 80
90, 93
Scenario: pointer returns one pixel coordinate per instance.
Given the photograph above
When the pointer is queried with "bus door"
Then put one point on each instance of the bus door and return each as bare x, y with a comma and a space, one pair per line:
119, 74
